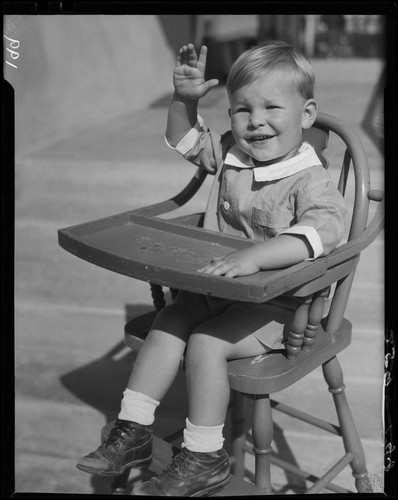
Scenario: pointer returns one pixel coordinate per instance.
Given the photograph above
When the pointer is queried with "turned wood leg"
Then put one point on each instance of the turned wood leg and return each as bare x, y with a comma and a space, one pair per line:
157, 296
262, 439
299, 323
238, 435
314, 320
334, 378
119, 483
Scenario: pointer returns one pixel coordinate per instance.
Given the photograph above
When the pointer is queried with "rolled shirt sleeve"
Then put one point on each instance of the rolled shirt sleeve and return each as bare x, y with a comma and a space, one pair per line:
189, 140
312, 236
204, 147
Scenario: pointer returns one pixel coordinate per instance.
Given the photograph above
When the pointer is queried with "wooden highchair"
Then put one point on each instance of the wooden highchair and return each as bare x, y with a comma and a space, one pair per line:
167, 253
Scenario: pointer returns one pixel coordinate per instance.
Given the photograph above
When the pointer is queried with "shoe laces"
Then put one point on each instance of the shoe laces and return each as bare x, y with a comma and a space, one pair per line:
179, 463
118, 433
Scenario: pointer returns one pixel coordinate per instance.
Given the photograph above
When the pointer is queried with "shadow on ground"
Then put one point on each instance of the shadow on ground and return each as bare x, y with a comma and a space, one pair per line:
100, 384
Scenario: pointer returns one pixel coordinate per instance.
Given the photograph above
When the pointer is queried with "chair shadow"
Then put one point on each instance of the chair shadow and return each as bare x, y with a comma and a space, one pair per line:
100, 384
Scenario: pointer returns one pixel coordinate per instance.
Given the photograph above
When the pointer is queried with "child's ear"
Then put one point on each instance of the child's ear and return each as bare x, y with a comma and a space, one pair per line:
309, 113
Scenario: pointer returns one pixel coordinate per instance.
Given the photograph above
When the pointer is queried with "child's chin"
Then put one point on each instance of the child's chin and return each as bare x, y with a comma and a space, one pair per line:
268, 159
264, 159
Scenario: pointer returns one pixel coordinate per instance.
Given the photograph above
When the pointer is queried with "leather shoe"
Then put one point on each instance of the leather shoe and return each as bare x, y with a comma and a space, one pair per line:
190, 474
128, 445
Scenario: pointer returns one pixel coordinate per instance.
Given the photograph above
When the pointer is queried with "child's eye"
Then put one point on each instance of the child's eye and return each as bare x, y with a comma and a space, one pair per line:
272, 107
242, 110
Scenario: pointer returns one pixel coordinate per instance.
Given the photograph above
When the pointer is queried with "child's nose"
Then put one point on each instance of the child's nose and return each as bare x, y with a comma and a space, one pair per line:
258, 119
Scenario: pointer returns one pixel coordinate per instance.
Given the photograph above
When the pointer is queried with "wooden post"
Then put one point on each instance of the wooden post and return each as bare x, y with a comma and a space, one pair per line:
262, 439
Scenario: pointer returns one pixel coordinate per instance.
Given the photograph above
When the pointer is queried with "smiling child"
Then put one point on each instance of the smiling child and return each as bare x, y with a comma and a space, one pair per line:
268, 186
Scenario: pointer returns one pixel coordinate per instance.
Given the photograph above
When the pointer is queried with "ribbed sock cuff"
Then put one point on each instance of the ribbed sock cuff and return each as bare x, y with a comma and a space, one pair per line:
203, 438
138, 407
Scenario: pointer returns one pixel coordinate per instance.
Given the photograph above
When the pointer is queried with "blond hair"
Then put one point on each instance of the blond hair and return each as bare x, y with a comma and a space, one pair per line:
270, 56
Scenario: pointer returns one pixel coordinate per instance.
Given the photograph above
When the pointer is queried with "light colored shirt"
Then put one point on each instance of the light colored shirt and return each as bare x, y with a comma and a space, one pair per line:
294, 196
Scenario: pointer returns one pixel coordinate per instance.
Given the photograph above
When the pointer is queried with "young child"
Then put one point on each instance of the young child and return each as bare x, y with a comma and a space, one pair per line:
269, 186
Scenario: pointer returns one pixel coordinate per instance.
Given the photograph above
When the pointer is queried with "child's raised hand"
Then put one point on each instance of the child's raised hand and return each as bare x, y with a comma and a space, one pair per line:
189, 73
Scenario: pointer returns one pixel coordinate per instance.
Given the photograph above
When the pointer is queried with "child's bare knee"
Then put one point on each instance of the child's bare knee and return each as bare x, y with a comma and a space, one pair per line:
204, 348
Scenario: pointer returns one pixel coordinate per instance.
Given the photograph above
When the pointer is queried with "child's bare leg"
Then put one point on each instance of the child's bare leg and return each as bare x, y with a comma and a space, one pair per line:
208, 388
210, 346
158, 360
129, 443
207, 372
157, 364
220, 339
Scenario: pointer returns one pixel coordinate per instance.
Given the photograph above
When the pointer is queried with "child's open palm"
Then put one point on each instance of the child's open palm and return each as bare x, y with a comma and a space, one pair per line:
189, 73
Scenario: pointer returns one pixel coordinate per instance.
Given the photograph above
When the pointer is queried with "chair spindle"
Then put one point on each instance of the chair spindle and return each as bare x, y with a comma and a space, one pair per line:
314, 320
297, 328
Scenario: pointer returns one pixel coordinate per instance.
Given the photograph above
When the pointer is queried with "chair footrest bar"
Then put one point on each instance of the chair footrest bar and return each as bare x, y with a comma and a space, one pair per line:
324, 481
283, 464
310, 419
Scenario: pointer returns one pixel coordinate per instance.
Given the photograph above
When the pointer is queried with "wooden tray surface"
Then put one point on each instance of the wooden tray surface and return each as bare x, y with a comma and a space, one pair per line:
168, 253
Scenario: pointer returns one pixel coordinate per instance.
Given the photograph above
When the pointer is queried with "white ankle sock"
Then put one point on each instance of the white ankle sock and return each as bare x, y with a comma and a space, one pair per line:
138, 407
203, 438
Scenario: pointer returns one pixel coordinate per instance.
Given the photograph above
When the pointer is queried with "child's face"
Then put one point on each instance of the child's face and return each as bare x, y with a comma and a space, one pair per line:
268, 116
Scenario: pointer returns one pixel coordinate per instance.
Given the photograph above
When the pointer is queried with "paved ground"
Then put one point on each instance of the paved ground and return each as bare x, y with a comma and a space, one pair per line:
71, 365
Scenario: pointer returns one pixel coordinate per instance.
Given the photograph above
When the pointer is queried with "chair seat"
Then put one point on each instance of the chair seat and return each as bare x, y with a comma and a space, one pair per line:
267, 373
273, 372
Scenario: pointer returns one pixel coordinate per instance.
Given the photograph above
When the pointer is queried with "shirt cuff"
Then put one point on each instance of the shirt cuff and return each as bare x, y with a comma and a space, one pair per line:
312, 236
189, 139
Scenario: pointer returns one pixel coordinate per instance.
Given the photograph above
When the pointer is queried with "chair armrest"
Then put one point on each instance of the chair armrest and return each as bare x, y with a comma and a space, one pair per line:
177, 201
355, 246
343, 260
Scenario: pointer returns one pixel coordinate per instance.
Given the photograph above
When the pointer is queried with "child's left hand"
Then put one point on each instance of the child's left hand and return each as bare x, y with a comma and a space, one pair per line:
239, 263
275, 253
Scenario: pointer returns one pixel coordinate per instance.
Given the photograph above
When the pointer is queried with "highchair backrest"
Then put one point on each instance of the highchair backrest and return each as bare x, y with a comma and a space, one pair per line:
342, 262
359, 234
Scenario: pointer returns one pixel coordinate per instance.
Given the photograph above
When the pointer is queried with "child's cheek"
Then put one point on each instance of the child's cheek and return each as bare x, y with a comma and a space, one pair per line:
238, 127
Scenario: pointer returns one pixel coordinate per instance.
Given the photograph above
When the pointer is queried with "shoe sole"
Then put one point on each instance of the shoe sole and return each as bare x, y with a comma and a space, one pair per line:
211, 490
137, 464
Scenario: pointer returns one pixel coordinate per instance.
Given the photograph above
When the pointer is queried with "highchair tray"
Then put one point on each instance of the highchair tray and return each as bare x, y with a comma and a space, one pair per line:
169, 253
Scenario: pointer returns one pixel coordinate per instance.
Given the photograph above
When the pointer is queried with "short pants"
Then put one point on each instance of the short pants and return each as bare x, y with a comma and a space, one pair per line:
269, 322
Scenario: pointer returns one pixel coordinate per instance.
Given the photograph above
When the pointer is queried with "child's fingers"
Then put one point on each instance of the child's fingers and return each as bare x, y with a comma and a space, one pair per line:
211, 83
232, 272
182, 56
207, 269
192, 58
202, 58
218, 266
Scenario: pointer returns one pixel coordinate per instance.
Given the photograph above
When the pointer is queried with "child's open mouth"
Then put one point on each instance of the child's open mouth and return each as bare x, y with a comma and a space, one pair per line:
260, 139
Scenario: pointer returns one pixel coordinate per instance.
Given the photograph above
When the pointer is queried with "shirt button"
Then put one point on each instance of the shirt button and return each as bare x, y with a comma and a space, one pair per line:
226, 206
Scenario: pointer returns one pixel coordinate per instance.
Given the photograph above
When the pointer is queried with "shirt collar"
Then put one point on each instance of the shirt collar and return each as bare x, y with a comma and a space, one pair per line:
306, 157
